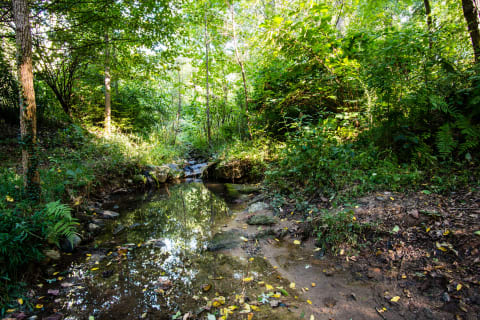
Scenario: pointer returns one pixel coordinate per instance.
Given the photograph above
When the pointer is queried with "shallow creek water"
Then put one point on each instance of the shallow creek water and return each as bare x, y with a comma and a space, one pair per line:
185, 252
157, 260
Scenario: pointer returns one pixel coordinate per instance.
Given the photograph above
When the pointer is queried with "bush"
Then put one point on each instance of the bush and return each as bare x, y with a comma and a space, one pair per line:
338, 228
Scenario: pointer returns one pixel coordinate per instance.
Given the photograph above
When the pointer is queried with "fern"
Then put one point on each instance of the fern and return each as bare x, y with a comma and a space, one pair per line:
445, 142
60, 222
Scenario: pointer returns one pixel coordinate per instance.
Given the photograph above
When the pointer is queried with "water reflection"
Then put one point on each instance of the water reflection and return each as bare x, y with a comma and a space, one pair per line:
150, 259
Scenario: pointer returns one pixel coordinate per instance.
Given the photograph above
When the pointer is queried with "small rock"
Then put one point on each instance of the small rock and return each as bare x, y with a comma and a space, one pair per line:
258, 206
52, 254
53, 292
274, 303
107, 214
92, 227
446, 297
261, 219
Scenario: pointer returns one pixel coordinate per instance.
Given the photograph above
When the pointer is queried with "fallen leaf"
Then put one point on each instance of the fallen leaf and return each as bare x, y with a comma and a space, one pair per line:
39, 306
10, 310
395, 229
292, 285
206, 287
314, 284
250, 316
297, 242
249, 279
94, 269
244, 239
9, 199
459, 287
268, 287
309, 302
254, 308
395, 299
312, 317
20, 301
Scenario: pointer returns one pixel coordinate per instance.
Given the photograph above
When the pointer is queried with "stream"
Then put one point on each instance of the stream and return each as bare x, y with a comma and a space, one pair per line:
185, 252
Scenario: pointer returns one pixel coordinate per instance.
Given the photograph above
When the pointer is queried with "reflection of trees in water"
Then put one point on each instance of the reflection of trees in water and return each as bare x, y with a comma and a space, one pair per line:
187, 214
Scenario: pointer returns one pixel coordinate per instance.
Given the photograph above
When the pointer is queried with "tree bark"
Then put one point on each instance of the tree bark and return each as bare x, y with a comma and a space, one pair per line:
108, 99
470, 12
28, 108
428, 13
206, 65
242, 67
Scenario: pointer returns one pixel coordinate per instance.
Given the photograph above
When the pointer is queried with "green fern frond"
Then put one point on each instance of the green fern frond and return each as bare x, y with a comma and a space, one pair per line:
61, 223
445, 141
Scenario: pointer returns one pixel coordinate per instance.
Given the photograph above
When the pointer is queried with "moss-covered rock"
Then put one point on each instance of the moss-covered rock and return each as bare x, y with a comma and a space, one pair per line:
262, 220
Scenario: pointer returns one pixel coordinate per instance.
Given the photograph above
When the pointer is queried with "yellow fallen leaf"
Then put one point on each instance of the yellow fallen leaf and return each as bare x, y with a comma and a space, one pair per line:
392, 198
277, 240
395, 299
232, 308
292, 285
277, 295
309, 302
314, 284
88, 254
354, 218
40, 285
39, 306
427, 229
275, 267
254, 308
60, 278
439, 247
459, 287
317, 249
297, 242
249, 279
94, 269
306, 289
268, 287
139, 245
11, 310
20, 301
404, 276
312, 317
244, 239
55, 273
9, 199
251, 259
250, 316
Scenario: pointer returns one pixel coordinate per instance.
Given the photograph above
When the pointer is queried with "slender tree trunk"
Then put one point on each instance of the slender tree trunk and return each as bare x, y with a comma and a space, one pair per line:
428, 13
206, 65
242, 68
470, 12
28, 108
108, 98
176, 125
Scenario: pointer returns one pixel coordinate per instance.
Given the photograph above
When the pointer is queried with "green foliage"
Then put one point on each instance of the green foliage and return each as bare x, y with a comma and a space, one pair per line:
338, 228
59, 221
318, 159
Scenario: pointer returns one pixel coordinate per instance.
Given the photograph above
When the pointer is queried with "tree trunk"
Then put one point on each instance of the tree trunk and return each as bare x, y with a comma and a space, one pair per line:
28, 108
108, 99
242, 67
176, 125
206, 64
428, 13
470, 12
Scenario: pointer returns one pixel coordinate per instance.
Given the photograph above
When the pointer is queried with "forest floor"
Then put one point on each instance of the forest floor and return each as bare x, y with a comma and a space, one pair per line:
419, 257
